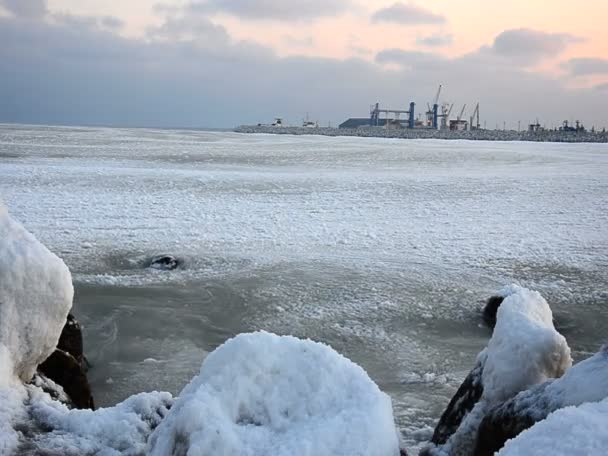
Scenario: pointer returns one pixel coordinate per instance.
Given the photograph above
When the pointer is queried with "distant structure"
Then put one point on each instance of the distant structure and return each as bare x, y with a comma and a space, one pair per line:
577, 128
535, 127
436, 117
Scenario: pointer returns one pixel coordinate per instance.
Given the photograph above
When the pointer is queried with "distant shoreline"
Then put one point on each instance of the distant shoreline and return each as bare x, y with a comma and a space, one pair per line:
472, 135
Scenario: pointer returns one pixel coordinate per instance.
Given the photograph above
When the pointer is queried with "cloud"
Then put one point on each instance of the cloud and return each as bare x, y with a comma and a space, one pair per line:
408, 58
586, 66
436, 40
291, 10
74, 71
33, 9
602, 87
407, 14
112, 22
531, 45
300, 42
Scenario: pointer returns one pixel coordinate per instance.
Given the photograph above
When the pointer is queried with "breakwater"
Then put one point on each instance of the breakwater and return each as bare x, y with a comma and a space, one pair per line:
474, 135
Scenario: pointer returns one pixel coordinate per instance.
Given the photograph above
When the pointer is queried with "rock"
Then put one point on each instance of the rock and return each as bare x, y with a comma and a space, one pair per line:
67, 366
462, 403
263, 394
65, 370
164, 262
525, 350
585, 382
35, 297
70, 341
490, 310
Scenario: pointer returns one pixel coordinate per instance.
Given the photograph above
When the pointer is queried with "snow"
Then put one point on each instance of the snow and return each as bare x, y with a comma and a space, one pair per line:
35, 297
120, 430
525, 349
261, 393
586, 381
572, 431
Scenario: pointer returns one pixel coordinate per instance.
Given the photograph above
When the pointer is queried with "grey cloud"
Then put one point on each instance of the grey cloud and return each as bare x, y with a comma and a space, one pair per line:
586, 66
305, 42
436, 40
33, 9
407, 14
112, 22
293, 10
408, 58
531, 45
190, 27
90, 75
602, 87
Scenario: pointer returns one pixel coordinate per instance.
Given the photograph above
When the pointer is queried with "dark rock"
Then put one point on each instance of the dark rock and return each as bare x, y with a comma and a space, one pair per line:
490, 310
70, 341
65, 370
461, 404
164, 262
509, 419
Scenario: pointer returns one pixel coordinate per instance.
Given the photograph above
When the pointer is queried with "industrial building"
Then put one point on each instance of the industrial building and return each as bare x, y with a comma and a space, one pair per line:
435, 118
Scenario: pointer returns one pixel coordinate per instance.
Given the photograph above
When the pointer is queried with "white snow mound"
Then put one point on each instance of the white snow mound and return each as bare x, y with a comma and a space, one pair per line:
35, 297
525, 348
261, 393
572, 431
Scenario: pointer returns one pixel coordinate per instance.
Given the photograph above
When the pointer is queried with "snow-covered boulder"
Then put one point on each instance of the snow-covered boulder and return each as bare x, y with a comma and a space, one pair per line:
35, 297
525, 350
261, 393
567, 432
586, 381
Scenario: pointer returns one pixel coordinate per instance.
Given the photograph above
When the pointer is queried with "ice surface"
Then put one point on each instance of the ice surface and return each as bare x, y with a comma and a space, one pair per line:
265, 394
371, 245
35, 297
572, 431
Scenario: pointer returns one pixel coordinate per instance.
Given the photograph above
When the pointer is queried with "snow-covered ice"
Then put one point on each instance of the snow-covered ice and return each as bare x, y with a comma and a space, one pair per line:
266, 394
385, 249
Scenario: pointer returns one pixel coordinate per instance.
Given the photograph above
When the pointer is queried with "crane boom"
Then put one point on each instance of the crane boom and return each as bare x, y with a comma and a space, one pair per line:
438, 93
462, 112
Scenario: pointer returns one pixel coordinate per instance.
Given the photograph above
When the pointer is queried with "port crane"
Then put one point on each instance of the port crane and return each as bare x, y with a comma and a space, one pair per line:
475, 126
461, 112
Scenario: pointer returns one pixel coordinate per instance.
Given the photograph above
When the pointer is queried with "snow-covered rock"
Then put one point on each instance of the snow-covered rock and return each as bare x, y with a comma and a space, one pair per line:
572, 431
525, 350
120, 430
586, 381
261, 393
35, 297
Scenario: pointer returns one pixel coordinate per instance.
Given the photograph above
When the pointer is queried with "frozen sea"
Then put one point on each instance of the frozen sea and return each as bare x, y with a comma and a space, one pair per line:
384, 249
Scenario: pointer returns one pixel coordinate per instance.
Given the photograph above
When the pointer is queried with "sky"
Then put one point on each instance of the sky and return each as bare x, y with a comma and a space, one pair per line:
221, 63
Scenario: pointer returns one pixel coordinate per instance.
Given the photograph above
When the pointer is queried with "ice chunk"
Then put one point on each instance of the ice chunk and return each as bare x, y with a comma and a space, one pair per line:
265, 394
35, 298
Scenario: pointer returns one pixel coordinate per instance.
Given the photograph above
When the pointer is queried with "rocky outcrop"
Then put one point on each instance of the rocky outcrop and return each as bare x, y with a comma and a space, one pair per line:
491, 309
428, 133
67, 366
461, 405
164, 262
525, 350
